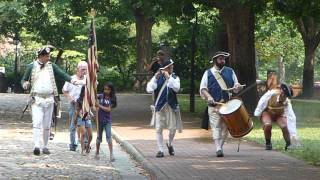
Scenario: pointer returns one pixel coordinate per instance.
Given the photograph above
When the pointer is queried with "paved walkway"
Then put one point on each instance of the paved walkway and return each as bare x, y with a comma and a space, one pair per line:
18, 162
195, 153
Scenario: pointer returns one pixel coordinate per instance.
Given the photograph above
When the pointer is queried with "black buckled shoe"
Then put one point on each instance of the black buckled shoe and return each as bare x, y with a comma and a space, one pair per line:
219, 153
51, 136
160, 154
170, 149
73, 147
36, 151
268, 146
45, 151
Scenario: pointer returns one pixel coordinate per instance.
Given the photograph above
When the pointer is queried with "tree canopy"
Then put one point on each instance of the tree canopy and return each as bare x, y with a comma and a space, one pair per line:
277, 33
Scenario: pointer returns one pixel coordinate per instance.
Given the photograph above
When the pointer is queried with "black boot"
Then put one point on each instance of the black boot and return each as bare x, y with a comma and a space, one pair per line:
51, 136
268, 146
160, 154
219, 153
36, 151
45, 151
170, 149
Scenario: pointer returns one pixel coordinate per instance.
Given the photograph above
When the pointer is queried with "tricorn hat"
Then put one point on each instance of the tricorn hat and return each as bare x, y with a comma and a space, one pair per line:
286, 89
219, 53
45, 50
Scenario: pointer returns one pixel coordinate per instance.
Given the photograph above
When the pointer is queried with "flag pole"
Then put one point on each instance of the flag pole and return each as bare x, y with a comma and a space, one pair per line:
93, 14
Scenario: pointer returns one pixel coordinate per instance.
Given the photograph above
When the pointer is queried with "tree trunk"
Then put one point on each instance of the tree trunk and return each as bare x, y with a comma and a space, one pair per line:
143, 43
19, 58
308, 72
281, 70
59, 57
310, 32
239, 20
222, 39
192, 68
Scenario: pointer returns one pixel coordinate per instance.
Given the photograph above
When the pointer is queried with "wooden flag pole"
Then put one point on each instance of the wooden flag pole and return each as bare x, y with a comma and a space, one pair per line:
93, 13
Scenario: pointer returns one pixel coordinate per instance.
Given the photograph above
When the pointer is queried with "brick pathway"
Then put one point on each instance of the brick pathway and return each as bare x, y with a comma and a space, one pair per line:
195, 153
18, 162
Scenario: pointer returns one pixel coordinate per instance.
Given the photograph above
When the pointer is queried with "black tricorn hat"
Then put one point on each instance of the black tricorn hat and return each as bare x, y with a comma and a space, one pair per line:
286, 89
45, 50
219, 53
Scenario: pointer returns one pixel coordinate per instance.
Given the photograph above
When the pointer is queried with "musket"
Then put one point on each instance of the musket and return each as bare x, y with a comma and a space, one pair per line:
23, 111
30, 101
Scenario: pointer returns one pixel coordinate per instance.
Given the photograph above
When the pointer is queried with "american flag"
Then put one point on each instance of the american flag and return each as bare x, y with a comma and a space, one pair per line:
91, 79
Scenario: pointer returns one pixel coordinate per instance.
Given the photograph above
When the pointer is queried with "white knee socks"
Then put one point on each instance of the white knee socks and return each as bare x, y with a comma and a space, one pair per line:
160, 140
171, 136
46, 134
218, 145
36, 137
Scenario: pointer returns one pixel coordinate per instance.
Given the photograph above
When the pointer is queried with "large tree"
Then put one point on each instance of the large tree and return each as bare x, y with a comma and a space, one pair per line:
144, 20
147, 13
239, 19
306, 15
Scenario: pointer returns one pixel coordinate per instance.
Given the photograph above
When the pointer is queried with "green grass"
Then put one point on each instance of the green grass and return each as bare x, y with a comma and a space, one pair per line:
308, 127
200, 104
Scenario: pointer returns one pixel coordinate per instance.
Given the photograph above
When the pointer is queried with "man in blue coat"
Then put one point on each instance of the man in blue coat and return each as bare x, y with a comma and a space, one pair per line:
214, 88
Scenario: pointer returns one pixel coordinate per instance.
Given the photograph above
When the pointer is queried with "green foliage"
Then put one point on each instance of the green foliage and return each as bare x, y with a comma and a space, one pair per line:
179, 38
7, 62
52, 21
64, 24
298, 8
11, 13
277, 37
257, 5
200, 104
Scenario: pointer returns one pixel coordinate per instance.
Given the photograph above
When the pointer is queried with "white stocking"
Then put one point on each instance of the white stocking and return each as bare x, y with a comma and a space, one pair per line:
171, 136
46, 134
160, 140
217, 143
36, 137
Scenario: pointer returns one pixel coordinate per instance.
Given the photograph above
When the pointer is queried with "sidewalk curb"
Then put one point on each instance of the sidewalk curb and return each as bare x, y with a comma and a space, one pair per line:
154, 171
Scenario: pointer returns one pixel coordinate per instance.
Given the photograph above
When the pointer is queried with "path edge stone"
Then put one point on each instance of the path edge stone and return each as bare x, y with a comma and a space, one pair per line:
154, 171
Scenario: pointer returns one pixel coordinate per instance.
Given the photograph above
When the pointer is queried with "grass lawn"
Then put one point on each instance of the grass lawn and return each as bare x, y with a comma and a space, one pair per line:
308, 127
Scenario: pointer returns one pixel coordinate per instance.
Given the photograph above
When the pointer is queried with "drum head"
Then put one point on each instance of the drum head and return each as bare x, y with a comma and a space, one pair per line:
230, 106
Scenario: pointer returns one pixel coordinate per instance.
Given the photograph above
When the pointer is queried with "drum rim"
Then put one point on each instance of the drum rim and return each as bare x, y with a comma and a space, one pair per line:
244, 133
223, 111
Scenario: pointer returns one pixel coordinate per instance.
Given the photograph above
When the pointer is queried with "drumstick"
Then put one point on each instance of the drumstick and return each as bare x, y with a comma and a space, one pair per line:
219, 103
230, 89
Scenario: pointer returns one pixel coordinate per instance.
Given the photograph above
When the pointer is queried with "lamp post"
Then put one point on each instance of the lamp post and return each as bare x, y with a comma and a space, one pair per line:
16, 41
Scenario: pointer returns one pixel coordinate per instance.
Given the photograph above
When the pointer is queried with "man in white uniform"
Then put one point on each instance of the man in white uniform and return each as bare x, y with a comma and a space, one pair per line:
40, 76
72, 93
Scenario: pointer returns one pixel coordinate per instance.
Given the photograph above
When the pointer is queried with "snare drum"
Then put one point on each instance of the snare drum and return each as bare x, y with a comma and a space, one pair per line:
236, 118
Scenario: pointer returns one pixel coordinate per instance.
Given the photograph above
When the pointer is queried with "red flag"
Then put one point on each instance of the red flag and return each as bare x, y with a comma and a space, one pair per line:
91, 79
